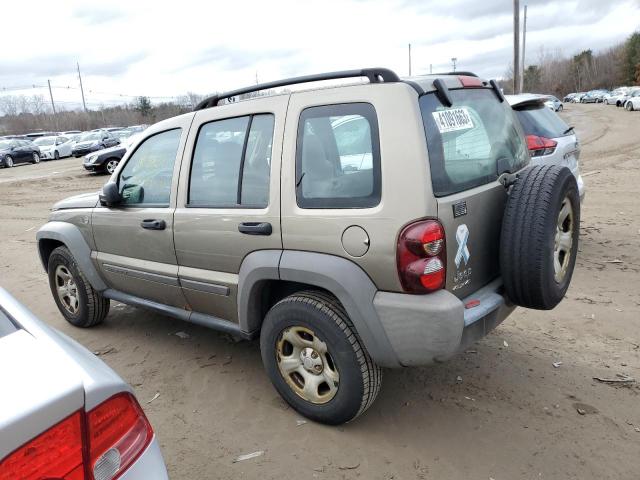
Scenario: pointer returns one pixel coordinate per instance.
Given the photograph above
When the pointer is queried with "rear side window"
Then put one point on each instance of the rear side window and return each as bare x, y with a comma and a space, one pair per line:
232, 162
541, 121
338, 157
471, 143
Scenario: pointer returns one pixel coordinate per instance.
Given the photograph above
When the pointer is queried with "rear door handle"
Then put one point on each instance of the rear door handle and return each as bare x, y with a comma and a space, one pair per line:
152, 224
255, 228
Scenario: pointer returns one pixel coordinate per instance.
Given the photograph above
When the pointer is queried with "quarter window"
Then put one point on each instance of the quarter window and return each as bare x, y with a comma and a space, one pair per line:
146, 178
231, 168
338, 157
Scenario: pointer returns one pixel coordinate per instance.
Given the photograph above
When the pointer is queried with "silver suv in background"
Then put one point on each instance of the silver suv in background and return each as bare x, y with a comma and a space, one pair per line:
350, 228
64, 412
549, 139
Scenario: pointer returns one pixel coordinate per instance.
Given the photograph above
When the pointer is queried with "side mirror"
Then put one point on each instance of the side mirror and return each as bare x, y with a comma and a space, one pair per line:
110, 195
105, 137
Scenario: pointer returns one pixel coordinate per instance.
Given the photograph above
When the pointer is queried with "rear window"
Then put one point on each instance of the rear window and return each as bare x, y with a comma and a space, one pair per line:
541, 121
471, 143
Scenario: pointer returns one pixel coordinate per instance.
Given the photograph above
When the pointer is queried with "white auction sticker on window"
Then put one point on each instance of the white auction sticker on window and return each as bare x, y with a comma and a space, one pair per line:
453, 119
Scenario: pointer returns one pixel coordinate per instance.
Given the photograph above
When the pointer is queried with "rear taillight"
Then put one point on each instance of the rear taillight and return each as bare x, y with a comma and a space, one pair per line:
421, 257
118, 433
54, 454
540, 146
104, 443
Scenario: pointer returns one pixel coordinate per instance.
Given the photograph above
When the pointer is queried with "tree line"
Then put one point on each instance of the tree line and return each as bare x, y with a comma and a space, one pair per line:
557, 74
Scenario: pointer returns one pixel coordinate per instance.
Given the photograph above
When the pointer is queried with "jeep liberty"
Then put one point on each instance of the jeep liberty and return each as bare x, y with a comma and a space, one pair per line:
353, 227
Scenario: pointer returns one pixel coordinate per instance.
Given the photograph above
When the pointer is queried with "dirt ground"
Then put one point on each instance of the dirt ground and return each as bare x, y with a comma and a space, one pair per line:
513, 416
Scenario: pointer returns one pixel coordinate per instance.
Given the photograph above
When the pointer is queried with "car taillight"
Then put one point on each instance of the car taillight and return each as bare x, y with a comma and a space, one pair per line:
118, 433
421, 257
99, 445
55, 454
539, 146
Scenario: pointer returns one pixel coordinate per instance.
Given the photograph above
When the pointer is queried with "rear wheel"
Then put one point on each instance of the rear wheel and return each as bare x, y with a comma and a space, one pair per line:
315, 360
560, 108
80, 304
539, 239
629, 107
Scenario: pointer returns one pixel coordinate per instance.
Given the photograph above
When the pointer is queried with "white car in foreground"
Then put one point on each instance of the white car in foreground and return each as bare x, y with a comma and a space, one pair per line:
633, 101
549, 139
54, 147
64, 414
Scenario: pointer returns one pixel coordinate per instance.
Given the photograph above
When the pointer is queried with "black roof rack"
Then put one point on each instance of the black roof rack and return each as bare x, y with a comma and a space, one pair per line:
375, 75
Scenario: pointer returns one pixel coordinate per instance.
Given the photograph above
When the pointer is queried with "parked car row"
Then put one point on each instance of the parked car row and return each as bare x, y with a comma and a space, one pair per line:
35, 146
626, 97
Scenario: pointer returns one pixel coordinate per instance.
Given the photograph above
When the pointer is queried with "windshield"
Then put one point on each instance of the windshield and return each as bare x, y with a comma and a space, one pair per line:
540, 121
91, 136
45, 141
4, 144
472, 142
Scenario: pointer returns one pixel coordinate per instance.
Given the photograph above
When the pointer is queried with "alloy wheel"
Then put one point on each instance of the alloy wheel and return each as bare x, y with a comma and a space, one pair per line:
67, 290
111, 166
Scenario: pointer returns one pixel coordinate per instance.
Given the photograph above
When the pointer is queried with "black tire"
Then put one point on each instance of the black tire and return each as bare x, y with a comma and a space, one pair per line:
629, 107
56, 155
93, 307
560, 108
530, 232
8, 161
359, 377
35, 158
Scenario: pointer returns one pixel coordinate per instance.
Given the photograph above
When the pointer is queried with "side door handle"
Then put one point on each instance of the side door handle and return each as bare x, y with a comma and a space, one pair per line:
153, 224
255, 228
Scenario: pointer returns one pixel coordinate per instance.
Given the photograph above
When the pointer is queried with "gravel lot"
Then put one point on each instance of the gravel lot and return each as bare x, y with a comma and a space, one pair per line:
514, 415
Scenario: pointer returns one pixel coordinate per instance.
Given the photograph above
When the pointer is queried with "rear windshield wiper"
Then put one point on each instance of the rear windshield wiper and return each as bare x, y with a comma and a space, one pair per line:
568, 130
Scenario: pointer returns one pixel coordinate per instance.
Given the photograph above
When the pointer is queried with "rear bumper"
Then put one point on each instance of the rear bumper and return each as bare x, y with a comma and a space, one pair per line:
149, 466
425, 329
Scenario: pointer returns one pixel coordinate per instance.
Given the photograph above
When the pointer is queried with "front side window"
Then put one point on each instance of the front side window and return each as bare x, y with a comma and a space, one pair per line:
338, 157
232, 162
146, 178
472, 142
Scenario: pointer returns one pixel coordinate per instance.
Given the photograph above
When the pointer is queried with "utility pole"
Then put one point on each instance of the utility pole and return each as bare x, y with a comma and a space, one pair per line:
516, 45
454, 60
409, 59
524, 47
53, 105
84, 105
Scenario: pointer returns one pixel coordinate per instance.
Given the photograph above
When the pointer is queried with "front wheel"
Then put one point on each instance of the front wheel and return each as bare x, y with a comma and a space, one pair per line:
315, 359
80, 304
56, 155
111, 166
35, 158
8, 161
560, 108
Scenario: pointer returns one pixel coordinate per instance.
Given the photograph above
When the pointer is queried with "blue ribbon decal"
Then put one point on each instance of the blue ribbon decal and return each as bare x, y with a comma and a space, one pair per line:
462, 235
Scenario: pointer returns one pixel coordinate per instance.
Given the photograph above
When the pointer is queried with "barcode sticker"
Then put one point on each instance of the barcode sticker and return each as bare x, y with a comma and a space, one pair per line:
452, 120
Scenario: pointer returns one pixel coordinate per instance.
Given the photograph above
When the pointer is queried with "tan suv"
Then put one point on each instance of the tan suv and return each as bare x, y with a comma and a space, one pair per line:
352, 227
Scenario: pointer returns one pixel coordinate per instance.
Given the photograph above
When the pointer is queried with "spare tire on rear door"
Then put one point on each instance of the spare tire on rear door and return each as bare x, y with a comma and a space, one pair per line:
539, 238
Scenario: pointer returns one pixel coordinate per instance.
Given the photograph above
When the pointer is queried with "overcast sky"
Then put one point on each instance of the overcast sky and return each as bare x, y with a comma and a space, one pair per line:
163, 49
